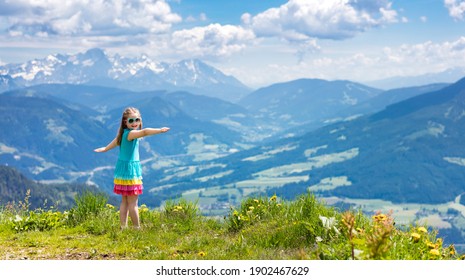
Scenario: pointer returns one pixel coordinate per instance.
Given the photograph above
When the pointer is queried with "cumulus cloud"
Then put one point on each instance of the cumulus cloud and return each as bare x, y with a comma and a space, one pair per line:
301, 22
404, 60
86, 17
421, 59
214, 40
456, 8
329, 19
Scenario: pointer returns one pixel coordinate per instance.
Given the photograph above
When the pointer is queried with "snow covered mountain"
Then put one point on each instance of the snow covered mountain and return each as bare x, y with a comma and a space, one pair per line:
95, 67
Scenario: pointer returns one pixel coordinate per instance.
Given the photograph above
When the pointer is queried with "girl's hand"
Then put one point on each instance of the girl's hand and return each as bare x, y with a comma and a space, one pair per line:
100, 150
164, 129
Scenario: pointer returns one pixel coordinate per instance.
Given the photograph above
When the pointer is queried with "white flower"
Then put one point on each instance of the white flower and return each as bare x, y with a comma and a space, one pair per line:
328, 223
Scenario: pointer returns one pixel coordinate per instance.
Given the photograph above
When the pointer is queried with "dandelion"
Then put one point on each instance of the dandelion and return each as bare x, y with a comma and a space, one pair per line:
256, 200
415, 236
109, 206
202, 254
251, 208
422, 230
431, 245
434, 252
273, 198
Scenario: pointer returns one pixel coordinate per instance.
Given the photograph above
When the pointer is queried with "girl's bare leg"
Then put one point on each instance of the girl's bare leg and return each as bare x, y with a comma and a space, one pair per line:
133, 210
123, 212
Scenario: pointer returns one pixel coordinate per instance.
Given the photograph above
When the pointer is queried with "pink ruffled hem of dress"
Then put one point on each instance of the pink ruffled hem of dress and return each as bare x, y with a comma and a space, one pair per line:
128, 190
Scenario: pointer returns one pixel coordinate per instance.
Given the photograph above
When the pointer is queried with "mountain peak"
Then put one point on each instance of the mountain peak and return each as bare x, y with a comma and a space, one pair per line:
95, 67
95, 53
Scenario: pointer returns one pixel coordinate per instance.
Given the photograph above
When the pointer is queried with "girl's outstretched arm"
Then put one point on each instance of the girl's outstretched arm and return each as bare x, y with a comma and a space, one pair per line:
146, 132
110, 146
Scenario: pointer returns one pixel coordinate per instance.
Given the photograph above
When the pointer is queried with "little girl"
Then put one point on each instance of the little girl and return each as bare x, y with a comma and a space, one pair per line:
128, 170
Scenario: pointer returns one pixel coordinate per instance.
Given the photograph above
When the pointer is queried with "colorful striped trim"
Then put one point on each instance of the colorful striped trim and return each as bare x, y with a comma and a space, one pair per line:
126, 182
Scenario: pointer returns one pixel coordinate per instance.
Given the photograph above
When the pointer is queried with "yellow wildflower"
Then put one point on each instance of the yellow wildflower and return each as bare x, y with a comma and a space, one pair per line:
380, 217
202, 254
110, 206
434, 252
415, 236
251, 208
422, 230
256, 200
273, 198
431, 245
177, 208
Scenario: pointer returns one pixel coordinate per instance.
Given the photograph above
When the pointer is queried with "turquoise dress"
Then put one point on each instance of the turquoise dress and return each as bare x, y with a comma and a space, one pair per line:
128, 170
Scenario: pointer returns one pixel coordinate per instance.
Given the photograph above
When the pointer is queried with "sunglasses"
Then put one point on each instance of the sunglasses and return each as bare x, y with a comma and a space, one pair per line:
131, 120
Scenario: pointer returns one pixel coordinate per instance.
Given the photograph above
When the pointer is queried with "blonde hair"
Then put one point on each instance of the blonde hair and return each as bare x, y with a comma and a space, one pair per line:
126, 113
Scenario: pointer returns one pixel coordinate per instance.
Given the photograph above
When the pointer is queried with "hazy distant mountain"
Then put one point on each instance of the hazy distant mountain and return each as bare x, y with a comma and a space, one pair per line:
6, 83
305, 101
448, 76
389, 97
94, 67
230, 115
370, 106
98, 98
45, 139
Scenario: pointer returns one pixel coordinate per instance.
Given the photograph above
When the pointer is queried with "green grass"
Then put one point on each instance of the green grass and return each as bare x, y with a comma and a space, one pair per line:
261, 228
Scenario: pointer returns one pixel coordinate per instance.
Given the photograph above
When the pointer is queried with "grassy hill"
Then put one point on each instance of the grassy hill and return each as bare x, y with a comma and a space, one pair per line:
261, 228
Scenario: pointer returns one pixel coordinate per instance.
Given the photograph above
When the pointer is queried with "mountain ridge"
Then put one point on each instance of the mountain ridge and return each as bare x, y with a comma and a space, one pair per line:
94, 67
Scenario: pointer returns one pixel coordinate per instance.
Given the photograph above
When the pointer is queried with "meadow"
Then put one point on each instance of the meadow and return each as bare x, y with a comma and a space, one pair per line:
261, 228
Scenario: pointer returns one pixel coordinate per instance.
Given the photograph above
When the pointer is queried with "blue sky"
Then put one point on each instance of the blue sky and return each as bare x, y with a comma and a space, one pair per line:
259, 42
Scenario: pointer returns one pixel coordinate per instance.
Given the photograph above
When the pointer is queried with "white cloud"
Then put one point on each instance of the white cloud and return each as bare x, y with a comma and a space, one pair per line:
403, 60
456, 8
214, 40
86, 17
329, 19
